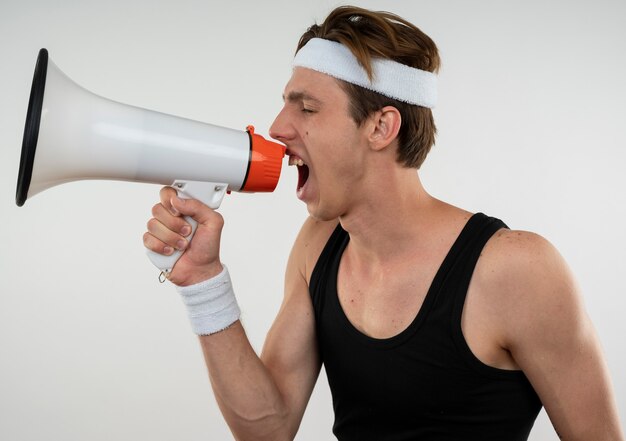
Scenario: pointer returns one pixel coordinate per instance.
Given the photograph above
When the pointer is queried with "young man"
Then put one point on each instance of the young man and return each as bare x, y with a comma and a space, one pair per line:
433, 323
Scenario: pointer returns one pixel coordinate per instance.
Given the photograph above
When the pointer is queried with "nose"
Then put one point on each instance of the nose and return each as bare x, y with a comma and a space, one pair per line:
281, 129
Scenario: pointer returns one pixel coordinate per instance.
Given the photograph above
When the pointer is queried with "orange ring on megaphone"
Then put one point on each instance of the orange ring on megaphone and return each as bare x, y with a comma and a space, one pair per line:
265, 163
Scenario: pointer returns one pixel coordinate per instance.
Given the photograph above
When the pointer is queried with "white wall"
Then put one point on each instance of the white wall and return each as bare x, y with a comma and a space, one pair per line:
531, 121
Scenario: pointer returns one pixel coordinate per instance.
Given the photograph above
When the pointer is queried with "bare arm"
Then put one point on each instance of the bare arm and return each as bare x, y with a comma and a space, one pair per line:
260, 397
552, 339
265, 398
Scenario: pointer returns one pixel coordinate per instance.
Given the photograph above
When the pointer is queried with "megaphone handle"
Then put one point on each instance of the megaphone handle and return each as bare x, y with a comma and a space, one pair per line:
210, 193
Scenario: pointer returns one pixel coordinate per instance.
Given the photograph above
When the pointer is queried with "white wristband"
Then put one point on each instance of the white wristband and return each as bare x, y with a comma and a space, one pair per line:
211, 305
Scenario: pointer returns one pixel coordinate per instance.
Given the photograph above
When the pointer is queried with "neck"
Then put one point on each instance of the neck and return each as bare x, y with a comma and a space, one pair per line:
395, 215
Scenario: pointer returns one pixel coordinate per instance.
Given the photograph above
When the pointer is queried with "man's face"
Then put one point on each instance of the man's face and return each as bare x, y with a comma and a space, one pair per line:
323, 141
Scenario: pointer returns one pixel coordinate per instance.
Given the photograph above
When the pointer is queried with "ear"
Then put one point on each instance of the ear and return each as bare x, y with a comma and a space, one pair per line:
385, 126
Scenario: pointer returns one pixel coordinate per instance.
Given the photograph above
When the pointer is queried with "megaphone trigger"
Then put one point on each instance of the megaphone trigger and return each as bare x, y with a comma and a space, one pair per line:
209, 193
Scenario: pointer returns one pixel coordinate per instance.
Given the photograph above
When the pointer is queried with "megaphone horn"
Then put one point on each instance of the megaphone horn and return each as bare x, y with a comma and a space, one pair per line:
72, 134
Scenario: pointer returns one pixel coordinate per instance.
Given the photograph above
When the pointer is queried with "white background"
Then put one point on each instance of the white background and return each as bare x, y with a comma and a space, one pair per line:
532, 129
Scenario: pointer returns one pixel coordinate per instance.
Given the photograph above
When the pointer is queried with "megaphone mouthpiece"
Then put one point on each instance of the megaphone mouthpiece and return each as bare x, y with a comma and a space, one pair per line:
265, 163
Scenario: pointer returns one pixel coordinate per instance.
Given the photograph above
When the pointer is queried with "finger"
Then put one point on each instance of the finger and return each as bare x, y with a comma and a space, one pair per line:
154, 244
166, 194
165, 235
176, 224
197, 211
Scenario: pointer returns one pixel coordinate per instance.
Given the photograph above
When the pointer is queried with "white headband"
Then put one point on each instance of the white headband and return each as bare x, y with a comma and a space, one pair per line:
390, 78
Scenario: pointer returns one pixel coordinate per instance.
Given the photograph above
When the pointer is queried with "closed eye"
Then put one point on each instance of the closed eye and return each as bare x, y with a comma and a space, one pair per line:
304, 101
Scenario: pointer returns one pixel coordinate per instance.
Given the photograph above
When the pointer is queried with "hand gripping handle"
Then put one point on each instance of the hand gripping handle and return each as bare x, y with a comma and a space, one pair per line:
210, 193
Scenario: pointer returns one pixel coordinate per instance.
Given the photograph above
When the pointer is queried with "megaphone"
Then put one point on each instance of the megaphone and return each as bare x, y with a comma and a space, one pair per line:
72, 134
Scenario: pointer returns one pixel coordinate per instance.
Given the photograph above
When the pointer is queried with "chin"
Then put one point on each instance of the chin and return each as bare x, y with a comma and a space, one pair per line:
323, 214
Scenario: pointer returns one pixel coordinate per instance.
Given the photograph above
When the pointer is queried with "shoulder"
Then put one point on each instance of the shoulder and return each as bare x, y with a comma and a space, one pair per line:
521, 258
529, 283
309, 243
548, 333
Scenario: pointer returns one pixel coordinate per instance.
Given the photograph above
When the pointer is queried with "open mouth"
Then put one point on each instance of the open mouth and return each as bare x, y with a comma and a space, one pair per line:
303, 170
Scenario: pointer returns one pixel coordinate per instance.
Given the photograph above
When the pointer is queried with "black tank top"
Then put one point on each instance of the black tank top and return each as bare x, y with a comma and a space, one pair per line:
424, 383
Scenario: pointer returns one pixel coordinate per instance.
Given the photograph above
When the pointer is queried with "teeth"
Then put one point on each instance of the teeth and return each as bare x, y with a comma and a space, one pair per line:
295, 161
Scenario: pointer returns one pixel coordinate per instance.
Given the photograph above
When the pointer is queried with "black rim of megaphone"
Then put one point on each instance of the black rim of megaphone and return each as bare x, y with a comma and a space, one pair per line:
31, 129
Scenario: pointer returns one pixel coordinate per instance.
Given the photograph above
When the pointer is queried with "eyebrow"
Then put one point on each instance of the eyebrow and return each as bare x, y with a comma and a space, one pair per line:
300, 96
